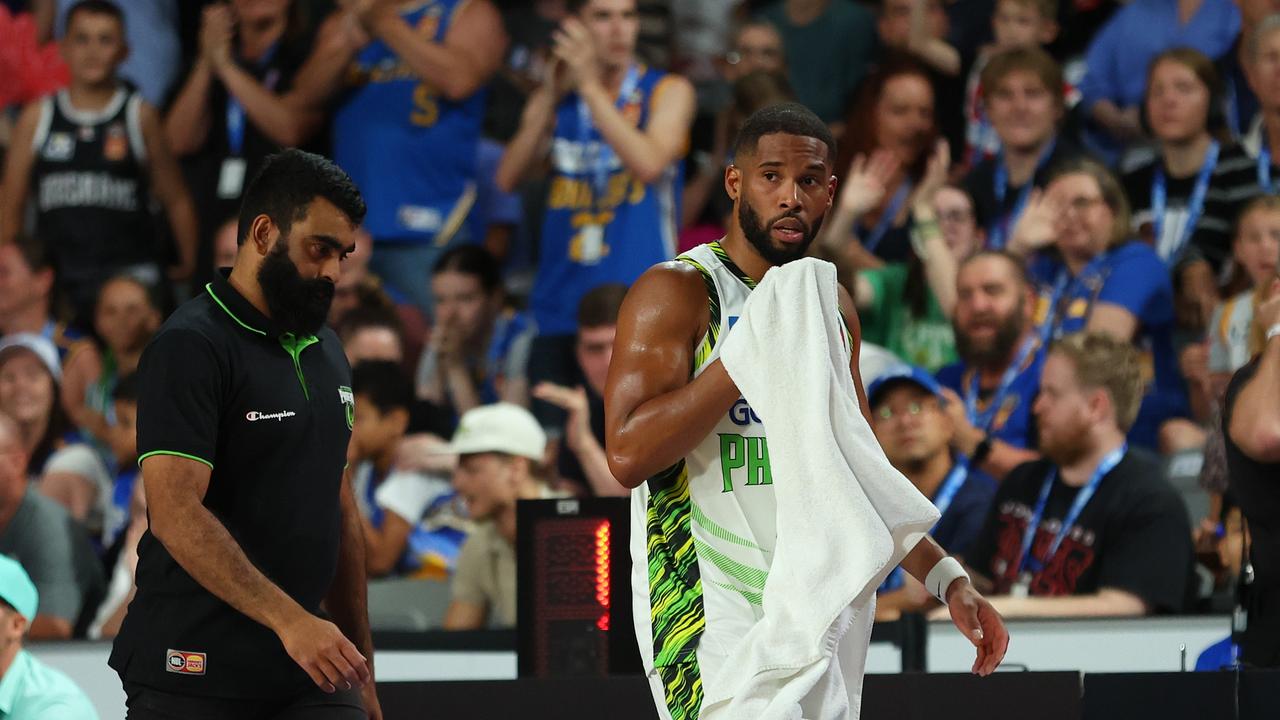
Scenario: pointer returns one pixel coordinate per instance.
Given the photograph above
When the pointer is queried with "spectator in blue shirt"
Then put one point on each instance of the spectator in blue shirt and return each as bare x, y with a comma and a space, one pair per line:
29, 690
1113, 85
1099, 280
911, 424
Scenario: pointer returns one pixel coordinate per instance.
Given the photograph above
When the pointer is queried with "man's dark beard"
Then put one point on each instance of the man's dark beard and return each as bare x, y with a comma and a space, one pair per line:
297, 305
757, 233
1000, 349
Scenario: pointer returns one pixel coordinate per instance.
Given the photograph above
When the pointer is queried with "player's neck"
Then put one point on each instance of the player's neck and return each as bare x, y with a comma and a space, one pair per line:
928, 475
257, 38
741, 252
1103, 440
92, 96
1185, 157
1021, 162
30, 318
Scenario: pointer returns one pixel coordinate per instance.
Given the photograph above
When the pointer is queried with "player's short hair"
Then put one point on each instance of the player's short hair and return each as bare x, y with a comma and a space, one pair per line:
286, 185
96, 7
471, 260
1047, 9
785, 118
383, 383
1103, 362
601, 305
1023, 59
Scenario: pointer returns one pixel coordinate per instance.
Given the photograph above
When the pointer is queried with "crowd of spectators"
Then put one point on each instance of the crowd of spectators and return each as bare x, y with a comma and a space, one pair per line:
1057, 215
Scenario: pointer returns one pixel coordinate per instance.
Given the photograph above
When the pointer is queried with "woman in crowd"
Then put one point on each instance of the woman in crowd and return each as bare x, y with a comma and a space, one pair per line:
1094, 277
479, 348
892, 124
1167, 193
64, 469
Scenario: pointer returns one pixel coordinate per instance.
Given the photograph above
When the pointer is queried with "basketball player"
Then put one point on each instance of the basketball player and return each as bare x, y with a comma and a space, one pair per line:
90, 157
672, 410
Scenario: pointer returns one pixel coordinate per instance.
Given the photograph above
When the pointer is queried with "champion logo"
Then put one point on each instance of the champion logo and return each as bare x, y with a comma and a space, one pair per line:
255, 416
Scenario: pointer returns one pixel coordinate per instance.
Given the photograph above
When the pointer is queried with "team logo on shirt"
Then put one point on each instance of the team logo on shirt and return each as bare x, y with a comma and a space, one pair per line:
349, 404
60, 147
115, 146
184, 662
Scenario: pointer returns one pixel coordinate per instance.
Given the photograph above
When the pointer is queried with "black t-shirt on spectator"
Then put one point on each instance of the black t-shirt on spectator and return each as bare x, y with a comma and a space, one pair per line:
1133, 535
567, 464
270, 414
1137, 188
202, 169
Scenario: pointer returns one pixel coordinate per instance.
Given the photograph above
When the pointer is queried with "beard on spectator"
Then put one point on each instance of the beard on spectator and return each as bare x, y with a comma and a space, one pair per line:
297, 305
997, 350
757, 233
1065, 445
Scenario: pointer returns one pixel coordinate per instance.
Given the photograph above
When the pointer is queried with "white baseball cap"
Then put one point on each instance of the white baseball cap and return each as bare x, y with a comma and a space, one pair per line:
501, 428
39, 345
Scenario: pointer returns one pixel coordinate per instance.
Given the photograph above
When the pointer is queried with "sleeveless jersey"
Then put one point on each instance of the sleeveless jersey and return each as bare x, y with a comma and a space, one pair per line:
703, 531
591, 190
89, 183
410, 149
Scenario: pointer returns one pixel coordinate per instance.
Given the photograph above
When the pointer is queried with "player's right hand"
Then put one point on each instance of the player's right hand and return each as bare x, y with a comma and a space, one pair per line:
320, 648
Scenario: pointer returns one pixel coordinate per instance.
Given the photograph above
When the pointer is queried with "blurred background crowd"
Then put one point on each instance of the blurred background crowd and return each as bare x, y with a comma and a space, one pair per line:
1011, 172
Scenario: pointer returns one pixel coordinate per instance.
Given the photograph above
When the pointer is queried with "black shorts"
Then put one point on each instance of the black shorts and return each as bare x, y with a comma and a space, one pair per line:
148, 704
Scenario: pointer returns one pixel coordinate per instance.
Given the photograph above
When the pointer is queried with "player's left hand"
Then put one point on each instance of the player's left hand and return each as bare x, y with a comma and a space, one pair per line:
369, 694
977, 620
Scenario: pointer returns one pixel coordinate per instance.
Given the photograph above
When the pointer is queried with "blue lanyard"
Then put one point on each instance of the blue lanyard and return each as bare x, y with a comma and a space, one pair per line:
235, 111
1000, 230
983, 421
1264, 165
603, 154
1077, 506
947, 491
1195, 204
877, 233
1050, 329
1231, 100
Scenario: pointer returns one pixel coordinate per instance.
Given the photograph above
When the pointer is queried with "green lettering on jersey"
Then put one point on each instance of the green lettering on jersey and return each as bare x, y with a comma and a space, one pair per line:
738, 452
732, 456
758, 472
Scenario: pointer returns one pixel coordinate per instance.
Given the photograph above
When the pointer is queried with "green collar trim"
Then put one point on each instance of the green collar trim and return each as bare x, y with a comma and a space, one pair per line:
209, 289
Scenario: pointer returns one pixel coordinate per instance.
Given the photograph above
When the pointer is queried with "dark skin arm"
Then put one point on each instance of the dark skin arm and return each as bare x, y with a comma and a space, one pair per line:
202, 545
347, 601
654, 414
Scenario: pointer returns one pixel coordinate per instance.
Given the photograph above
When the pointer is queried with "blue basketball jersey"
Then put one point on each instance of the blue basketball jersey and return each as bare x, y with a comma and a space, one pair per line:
602, 225
411, 150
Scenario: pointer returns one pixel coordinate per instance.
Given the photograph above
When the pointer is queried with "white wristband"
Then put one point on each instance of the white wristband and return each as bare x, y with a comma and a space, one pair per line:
947, 571
1272, 331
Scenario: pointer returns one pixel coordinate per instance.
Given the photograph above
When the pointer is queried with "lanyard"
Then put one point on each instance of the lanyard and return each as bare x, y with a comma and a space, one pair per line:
947, 491
1077, 506
235, 111
602, 154
1195, 204
1231, 100
1000, 185
1050, 329
983, 421
1264, 165
886, 218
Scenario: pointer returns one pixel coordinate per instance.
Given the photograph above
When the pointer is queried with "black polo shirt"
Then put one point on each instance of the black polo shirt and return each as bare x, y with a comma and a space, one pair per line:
271, 414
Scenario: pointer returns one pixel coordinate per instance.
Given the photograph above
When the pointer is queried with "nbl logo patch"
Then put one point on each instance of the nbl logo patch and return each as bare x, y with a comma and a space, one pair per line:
185, 663
348, 404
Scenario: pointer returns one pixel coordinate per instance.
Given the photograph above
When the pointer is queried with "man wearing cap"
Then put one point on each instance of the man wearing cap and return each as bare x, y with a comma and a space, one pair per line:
500, 451
39, 534
29, 690
251, 578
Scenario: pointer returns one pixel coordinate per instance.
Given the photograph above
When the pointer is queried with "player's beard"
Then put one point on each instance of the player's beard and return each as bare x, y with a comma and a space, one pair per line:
999, 349
297, 305
757, 233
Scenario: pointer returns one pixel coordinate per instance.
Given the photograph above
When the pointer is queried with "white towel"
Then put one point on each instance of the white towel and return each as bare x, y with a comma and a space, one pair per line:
845, 517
